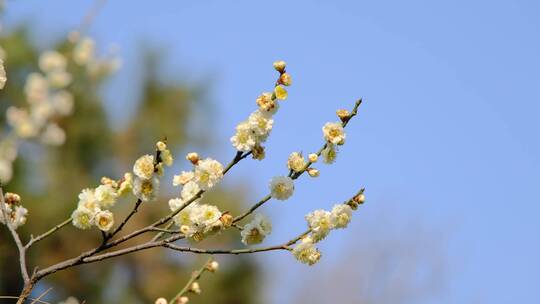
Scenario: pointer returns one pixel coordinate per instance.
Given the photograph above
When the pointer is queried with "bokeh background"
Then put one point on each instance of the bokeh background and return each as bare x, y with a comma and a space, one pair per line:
446, 142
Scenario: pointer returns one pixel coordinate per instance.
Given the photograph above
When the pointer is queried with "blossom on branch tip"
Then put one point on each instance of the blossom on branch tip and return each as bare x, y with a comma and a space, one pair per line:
193, 157
341, 215
280, 92
281, 187
280, 65
312, 157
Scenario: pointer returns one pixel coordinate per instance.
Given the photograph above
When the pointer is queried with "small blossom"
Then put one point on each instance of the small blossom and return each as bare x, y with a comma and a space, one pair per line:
341, 215
226, 220
82, 218
53, 135
189, 191
144, 166
59, 79
334, 133
296, 162
280, 66
166, 157
184, 178
281, 187
313, 157
51, 61
83, 52
258, 152
343, 115
36, 88
255, 231
306, 253
208, 173
313, 172
87, 200
244, 139
3, 77
161, 301
260, 125
146, 189
175, 203
195, 288
161, 146
285, 79
280, 92
206, 217
106, 196
15, 215
104, 220
12, 198
183, 300
267, 104
320, 222
193, 157
329, 154
213, 266
126, 184
62, 102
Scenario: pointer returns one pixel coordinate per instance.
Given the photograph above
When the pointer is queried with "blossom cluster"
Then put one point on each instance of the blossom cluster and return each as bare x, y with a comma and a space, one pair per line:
12, 211
195, 220
253, 132
48, 98
93, 208
320, 223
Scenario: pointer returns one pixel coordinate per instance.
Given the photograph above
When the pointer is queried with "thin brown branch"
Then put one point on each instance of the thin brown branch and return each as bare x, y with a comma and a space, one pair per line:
194, 276
39, 238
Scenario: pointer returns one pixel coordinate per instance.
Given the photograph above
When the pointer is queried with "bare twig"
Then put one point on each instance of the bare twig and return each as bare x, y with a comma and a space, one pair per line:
194, 277
46, 234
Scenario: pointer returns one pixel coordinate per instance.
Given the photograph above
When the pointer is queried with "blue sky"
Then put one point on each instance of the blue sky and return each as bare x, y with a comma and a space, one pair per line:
447, 137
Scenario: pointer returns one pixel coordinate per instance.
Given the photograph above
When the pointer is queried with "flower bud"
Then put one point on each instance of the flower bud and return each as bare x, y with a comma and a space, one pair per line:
344, 115
280, 93
184, 229
258, 152
212, 266
195, 288
280, 66
359, 199
285, 79
12, 198
183, 300
161, 301
193, 157
161, 146
313, 158
108, 181
226, 219
313, 172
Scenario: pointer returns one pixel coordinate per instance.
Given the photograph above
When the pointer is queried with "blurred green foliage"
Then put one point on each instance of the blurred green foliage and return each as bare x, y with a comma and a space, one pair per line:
50, 178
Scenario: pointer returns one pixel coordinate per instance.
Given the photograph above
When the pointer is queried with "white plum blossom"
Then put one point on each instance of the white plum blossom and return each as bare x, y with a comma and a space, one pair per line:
306, 253
255, 231
341, 215
104, 220
83, 52
3, 77
146, 189
175, 203
320, 222
244, 140
189, 191
15, 215
62, 102
106, 196
144, 167
296, 162
267, 104
260, 125
53, 135
281, 187
82, 218
52, 61
208, 173
36, 88
329, 154
183, 178
87, 200
334, 133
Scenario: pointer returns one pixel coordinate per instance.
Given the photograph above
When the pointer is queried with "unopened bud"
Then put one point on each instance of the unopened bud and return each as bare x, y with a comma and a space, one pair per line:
360, 198
12, 198
184, 229
313, 172
193, 157
285, 79
344, 115
161, 146
313, 158
280, 66
226, 219
280, 93
109, 181
161, 301
212, 266
258, 152
183, 300
195, 288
